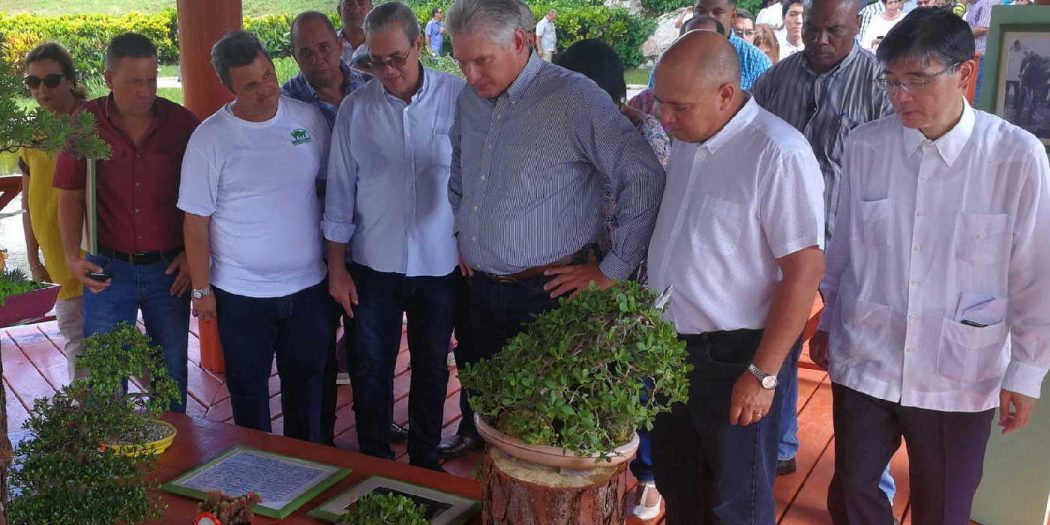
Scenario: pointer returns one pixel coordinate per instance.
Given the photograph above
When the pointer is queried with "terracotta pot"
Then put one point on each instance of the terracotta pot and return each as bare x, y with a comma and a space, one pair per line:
553, 456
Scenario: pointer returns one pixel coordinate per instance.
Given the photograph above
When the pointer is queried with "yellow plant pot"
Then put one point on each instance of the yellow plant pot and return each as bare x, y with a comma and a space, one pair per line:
152, 448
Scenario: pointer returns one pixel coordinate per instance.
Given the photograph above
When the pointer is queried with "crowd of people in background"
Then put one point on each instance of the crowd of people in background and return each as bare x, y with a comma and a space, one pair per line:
816, 145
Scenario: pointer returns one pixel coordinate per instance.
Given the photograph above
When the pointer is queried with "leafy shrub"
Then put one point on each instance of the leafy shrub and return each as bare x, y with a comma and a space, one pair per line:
15, 282
385, 509
659, 7
575, 377
274, 31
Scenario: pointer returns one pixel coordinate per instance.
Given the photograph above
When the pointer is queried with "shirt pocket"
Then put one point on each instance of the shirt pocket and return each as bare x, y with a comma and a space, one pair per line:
442, 147
873, 218
982, 239
867, 329
971, 354
721, 224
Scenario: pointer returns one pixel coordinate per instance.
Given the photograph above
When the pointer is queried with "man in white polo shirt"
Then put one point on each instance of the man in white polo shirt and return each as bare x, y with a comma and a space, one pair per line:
388, 198
249, 190
938, 291
739, 239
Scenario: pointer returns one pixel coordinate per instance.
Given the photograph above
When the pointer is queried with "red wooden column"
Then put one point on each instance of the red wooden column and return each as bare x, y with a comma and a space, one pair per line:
201, 24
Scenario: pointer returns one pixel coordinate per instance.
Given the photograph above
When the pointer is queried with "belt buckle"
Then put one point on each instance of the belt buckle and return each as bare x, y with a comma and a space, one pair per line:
500, 278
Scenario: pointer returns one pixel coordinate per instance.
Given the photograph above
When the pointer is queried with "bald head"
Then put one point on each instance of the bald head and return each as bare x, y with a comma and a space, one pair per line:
698, 85
702, 55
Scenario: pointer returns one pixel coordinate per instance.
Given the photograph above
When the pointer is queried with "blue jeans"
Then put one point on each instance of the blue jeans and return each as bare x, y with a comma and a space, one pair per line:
708, 471
297, 328
143, 287
642, 464
429, 305
498, 312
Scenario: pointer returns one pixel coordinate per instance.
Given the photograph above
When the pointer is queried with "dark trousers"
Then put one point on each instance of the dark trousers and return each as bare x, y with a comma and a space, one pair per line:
296, 328
428, 304
945, 453
498, 312
708, 471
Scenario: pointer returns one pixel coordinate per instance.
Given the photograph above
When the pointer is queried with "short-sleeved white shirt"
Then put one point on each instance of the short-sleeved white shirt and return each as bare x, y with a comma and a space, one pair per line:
732, 206
257, 183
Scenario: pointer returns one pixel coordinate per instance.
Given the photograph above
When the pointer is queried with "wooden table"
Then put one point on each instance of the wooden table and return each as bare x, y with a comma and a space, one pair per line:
199, 440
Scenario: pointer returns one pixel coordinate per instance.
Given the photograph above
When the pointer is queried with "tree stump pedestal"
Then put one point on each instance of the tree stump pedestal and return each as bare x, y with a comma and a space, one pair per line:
518, 492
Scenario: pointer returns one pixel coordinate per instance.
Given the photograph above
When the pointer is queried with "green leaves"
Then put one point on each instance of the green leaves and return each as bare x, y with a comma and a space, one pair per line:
385, 509
575, 377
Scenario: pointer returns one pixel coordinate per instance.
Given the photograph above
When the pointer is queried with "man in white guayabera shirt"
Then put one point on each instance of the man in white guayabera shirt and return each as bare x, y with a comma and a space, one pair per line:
388, 198
249, 190
937, 289
739, 237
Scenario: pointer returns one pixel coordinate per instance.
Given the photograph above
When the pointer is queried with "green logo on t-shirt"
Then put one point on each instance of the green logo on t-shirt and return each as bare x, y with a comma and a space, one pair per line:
300, 136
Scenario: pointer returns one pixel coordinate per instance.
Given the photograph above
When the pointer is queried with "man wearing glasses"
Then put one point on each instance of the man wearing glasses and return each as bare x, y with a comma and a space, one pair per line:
744, 25
388, 198
824, 92
938, 299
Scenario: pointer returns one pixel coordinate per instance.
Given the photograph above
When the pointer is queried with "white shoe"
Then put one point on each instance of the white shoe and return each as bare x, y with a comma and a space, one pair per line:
342, 378
643, 511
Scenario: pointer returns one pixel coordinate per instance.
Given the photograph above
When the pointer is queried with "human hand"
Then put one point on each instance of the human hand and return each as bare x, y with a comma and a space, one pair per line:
575, 278
180, 266
39, 273
204, 308
342, 288
80, 267
1022, 412
750, 402
818, 349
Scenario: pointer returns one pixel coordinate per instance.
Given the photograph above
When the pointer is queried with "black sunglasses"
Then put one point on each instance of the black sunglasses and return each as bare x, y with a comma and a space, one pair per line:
52, 80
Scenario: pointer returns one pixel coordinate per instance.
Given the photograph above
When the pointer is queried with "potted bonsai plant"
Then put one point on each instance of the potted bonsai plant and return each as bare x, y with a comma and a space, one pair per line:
22, 299
88, 456
566, 395
385, 509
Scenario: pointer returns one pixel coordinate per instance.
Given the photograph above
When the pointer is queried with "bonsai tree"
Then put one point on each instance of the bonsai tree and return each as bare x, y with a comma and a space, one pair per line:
229, 510
575, 378
385, 509
68, 473
36, 128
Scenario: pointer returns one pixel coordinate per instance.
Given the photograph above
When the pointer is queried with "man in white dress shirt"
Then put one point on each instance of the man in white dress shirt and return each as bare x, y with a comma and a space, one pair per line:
388, 198
937, 289
739, 237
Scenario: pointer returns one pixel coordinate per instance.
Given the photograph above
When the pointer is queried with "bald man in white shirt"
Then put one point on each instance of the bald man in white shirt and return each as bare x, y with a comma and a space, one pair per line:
937, 289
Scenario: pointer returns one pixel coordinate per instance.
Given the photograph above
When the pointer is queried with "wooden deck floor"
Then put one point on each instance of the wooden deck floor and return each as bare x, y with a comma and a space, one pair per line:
34, 367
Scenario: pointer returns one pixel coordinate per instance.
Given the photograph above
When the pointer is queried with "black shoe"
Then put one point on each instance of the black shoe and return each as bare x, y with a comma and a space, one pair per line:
458, 446
786, 467
398, 433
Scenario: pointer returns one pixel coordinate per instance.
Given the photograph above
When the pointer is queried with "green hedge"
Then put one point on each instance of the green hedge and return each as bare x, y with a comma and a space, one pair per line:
86, 36
659, 7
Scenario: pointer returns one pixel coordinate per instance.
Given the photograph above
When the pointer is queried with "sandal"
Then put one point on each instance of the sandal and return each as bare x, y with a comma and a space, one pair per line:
647, 512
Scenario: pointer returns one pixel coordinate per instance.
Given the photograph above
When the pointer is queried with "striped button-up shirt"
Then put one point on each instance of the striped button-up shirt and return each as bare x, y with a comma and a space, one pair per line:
753, 62
388, 178
980, 15
825, 108
528, 168
299, 88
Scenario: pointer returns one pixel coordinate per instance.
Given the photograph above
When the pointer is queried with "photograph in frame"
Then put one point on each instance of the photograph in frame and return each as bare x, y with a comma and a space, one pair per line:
283, 483
441, 508
1023, 97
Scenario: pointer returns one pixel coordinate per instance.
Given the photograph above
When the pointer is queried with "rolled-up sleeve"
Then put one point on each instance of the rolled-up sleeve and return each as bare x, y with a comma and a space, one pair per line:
341, 192
631, 171
1030, 282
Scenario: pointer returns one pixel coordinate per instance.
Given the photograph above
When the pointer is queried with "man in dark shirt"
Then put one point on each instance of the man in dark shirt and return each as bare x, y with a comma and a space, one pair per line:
139, 262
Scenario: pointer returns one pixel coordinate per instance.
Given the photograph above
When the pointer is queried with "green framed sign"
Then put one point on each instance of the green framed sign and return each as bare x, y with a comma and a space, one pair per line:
283, 483
1016, 68
441, 508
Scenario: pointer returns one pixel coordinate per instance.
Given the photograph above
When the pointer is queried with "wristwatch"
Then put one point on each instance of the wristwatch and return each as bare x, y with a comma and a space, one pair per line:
200, 293
767, 381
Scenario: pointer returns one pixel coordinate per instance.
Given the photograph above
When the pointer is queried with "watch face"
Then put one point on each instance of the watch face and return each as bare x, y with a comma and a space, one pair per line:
769, 382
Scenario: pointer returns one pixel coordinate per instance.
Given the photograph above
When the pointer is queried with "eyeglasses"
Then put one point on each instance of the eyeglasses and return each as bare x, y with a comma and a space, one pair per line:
914, 84
51, 81
744, 32
396, 62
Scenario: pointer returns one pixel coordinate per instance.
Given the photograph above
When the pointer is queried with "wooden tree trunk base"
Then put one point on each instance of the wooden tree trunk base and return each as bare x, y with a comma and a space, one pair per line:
520, 493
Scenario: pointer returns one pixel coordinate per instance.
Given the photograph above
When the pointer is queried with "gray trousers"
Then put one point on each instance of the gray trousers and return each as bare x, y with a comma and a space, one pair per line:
945, 454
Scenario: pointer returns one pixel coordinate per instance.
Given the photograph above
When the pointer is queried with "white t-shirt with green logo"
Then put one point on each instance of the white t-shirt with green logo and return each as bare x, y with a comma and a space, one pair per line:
257, 182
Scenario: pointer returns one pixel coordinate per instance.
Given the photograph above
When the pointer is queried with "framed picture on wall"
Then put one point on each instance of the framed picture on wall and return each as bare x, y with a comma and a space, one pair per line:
1016, 68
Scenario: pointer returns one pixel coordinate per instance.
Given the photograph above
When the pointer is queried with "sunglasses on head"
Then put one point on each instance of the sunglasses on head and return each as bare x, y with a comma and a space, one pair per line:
52, 80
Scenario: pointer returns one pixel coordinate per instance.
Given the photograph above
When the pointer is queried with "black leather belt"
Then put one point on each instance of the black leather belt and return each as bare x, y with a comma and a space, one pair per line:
141, 258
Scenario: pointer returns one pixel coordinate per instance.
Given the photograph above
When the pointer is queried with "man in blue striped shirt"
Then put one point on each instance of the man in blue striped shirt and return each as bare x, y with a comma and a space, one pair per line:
533, 146
753, 62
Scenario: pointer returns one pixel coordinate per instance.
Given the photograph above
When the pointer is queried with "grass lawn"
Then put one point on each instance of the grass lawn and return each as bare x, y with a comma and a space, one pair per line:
166, 70
633, 76
117, 7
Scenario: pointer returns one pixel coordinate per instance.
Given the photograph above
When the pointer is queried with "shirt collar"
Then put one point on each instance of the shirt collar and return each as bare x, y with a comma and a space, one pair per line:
517, 88
159, 110
420, 93
348, 81
949, 146
735, 125
844, 64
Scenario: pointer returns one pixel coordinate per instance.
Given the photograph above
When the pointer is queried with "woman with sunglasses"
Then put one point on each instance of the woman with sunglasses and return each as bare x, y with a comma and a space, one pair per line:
51, 79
